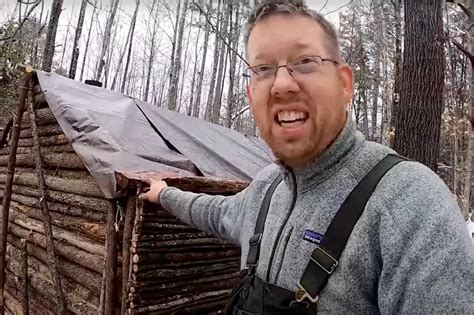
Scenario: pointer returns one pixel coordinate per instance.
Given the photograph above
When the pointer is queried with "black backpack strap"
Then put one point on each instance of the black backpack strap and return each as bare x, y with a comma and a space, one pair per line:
254, 242
324, 259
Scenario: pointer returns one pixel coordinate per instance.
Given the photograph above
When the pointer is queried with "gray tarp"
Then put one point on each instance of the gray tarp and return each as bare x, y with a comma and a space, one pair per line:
112, 132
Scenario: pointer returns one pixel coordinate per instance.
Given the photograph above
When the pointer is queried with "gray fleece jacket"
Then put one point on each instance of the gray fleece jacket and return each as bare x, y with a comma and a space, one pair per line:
408, 253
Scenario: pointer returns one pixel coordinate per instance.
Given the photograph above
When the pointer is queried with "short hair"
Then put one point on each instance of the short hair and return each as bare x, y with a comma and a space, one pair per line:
273, 7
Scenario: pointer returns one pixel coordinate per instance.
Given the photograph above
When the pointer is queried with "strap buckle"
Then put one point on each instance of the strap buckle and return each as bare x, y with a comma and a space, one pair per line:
255, 239
301, 294
324, 260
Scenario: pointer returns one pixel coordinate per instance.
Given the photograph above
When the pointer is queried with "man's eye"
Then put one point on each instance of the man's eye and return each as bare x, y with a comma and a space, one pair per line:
263, 68
303, 61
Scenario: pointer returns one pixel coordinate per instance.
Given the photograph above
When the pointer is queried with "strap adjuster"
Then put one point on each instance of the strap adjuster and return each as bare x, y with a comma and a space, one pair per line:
325, 261
301, 294
254, 240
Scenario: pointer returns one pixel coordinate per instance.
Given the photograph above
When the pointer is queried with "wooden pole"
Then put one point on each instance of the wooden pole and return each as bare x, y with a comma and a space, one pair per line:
24, 277
24, 88
48, 231
110, 262
127, 242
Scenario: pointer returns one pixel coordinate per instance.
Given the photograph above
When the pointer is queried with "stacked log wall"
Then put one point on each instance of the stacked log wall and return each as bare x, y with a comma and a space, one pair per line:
170, 268
78, 213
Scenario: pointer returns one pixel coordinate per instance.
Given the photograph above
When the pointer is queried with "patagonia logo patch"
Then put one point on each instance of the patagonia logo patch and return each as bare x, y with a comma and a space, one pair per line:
313, 237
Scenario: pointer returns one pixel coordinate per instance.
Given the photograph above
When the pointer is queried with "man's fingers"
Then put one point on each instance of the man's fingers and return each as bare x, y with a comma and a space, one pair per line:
144, 196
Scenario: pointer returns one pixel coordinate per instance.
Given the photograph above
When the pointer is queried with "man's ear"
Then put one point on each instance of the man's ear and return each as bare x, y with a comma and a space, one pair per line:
249, 93
346, 75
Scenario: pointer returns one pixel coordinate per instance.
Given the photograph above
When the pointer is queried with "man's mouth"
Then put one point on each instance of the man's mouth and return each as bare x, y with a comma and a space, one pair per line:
290, 119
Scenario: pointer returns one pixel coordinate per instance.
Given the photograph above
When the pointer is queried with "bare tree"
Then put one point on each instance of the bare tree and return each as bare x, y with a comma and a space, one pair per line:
130, 44
421, 96
77, 37
468, 9
48, 54
106, 39
172, 98
152, 42
197, 101
210, 97
93, 15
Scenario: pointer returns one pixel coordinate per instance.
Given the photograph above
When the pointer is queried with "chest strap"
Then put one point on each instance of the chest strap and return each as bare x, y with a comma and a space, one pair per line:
254, 242
324, 259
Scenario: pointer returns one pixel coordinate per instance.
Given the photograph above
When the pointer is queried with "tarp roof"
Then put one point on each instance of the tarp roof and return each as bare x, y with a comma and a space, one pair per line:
112, 132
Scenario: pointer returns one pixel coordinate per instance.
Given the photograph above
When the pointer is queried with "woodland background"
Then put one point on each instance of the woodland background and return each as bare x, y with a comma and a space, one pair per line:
412, 62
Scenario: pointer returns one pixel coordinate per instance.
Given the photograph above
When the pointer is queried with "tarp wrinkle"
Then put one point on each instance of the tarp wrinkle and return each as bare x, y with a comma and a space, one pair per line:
112, 132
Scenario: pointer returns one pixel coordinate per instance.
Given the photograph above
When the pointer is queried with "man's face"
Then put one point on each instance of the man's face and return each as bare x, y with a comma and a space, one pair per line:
298, 115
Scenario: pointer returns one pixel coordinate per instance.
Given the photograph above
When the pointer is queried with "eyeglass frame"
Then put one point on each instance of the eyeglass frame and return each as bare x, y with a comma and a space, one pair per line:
287, 66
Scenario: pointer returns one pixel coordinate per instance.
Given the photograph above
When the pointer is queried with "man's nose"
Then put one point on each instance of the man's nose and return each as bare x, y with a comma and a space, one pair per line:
284, 82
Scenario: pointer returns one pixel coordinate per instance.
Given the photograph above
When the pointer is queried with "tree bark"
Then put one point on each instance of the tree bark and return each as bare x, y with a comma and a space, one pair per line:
216, 106
106, 40
77, 37
87, 44
128, 45
151, 56
174, 82
197, 101
421, 98
210, 96
48, 54
398, 64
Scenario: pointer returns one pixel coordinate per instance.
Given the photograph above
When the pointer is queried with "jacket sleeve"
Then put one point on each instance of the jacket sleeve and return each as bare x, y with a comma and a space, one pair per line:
219, 215
427, 255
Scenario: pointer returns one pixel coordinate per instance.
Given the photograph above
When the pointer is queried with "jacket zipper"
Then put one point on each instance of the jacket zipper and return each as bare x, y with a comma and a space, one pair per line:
283, 256
275, 244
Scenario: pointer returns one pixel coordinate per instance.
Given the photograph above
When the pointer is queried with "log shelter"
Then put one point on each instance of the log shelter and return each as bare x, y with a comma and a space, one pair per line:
75, 238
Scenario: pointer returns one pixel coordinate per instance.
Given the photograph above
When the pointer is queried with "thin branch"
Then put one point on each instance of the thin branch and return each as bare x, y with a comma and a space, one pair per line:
324, 6
464, 50
22, 22
219, 34
341, 7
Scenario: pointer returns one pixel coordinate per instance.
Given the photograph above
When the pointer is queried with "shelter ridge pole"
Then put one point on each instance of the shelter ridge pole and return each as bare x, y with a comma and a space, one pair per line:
48, 230
110, 263
127, 242
24, 88
24, 276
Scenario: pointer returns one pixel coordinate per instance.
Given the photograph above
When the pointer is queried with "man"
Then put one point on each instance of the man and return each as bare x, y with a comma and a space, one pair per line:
409, 251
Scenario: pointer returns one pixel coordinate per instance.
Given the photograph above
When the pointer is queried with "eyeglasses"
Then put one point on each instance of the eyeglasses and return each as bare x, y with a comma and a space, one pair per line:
299, 66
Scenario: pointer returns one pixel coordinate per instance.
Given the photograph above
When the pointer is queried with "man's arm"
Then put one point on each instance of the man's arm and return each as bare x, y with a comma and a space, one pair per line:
219, 215
427, 257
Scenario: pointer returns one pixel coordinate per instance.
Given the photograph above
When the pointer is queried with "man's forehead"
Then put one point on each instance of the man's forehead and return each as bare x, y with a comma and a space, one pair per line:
267, 42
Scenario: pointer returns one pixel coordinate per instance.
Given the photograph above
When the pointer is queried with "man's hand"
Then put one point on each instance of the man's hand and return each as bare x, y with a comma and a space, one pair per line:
156, 186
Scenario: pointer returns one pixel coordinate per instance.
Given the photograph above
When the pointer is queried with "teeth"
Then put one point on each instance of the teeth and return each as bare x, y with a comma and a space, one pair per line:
287, 116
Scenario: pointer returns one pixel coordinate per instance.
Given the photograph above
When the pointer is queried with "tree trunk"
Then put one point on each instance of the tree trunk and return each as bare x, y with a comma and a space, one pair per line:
398, 62
77, 37
210, 97
216, 107
151, 56
421, 96
235, 31
177, 60
87, 45
48, 54
197, 101
106, 40
127, 45
130, 43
